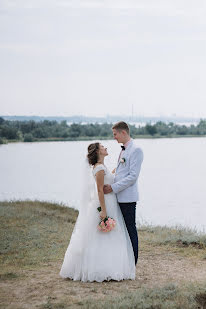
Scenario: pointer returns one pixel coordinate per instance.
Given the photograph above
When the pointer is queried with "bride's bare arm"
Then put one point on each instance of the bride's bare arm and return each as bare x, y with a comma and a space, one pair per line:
100, 185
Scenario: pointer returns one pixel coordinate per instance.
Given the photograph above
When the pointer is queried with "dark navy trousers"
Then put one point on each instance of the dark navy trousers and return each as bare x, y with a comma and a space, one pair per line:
129, 214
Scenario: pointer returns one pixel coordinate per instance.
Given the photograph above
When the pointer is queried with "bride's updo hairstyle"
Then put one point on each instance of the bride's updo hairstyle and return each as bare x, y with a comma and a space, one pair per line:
93, 153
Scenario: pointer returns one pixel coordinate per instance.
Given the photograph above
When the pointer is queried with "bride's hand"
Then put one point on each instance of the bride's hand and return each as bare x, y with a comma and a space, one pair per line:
103, 214
114, 170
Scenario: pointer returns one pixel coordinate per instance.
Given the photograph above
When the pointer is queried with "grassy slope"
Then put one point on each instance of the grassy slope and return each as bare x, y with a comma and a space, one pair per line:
171, 272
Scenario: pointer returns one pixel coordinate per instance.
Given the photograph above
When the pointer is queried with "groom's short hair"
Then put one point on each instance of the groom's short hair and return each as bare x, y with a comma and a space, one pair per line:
121, 125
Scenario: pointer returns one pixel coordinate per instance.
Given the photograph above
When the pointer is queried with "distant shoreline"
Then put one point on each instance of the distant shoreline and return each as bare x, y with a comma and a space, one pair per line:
100, 138
31, 131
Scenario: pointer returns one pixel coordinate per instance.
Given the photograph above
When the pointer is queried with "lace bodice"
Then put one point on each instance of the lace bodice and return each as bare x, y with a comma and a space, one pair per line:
108, 177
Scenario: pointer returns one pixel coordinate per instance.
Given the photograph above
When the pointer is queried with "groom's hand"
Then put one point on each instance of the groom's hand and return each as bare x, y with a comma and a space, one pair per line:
107, 189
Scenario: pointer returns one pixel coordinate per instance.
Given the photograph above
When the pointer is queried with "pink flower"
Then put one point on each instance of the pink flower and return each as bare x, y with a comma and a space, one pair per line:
106, 226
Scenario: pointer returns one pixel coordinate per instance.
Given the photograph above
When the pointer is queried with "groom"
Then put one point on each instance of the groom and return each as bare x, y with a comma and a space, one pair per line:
125, 181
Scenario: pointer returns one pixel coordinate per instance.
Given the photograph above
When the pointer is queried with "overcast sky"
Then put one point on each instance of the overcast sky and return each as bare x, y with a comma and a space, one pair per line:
101, 57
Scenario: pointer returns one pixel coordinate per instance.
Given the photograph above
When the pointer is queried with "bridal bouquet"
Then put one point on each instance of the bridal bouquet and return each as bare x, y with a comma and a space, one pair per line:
107, 224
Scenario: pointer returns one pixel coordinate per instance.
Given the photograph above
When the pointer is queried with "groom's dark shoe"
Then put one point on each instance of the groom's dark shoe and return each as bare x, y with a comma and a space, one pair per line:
129, 214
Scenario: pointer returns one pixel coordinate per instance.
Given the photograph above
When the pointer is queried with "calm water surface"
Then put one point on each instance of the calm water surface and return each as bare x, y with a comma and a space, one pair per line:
171, 184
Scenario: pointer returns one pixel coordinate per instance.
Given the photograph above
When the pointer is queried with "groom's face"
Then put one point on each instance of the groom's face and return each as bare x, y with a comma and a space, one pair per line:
118, 135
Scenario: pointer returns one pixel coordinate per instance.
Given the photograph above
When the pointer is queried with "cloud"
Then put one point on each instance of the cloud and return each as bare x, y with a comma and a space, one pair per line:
186, 6
146, 51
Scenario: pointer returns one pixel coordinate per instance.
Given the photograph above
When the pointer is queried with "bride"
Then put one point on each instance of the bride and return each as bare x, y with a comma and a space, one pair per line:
93, 255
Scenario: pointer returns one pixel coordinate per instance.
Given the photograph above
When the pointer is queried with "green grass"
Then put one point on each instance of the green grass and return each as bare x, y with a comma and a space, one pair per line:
8, 276
33, 232
177, 236
167, 297
36, 234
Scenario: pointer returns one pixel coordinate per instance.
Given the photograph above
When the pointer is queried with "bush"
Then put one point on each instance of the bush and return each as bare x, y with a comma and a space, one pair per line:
3, 141
28, 137
151, 129
1, 120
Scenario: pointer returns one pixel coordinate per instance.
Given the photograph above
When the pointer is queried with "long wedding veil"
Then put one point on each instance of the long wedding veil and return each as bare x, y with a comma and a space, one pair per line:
88, 200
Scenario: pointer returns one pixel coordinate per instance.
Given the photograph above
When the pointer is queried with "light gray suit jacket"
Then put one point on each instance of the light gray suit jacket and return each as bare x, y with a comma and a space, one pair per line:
126, 177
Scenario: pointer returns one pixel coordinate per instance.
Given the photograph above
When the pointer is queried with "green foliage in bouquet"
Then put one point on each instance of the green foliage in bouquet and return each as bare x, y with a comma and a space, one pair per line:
106, 218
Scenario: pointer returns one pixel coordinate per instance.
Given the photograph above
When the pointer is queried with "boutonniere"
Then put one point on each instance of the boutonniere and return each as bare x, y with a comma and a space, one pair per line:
123, 160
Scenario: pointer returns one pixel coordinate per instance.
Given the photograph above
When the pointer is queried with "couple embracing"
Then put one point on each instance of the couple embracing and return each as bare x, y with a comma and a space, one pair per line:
93, 255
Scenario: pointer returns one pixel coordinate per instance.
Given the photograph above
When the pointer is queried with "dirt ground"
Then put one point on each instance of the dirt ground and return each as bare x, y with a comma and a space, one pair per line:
33, 288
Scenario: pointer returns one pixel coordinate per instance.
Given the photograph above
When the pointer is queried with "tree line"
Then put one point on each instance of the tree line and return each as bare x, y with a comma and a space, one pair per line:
29, 131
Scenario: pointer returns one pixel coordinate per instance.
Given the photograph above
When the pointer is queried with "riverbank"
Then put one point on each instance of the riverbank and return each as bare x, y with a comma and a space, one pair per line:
171, 271
100, 138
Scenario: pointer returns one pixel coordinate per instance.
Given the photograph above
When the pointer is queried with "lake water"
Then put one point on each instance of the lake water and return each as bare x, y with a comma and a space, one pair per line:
172, 182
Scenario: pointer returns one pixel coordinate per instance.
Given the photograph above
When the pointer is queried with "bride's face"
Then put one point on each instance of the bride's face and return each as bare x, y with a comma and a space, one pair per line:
102, 150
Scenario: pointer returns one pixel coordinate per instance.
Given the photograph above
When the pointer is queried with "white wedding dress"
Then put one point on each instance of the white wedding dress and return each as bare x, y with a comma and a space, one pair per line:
96, 256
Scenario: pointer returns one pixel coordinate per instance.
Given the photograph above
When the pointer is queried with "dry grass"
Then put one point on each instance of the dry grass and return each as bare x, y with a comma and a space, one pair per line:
171, 271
